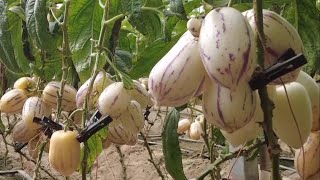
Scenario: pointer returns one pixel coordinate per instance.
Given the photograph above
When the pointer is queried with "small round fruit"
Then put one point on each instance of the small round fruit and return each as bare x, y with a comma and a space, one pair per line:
24, 83
113, 100
183, 125
194, 26
195, 130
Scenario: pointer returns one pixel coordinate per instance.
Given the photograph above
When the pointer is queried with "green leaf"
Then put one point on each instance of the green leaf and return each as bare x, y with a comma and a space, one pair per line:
6, 50
95, 147
127, 40
84, 22
171, 149
123, 60
83, 61
308, 25
124, 6
170, 24
153, 3
176, 6
127, 81
191, 5
147, 23
19, 11
151, 55
38, 26
17, 42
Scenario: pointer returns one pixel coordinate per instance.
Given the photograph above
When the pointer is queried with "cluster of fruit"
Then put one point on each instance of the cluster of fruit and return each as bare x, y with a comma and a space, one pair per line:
110, 98
216, 57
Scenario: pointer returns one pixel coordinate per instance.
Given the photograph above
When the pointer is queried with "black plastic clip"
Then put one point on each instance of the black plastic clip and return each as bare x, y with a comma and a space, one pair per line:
85, 134
18, 146
288, 62
47, 125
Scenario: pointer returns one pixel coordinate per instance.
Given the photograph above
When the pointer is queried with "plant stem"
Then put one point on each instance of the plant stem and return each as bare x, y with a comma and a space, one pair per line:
296, 17
84, 160
124, 168
38, 165
66, 53
152, 9
151, 156
86, 107
220, 160
266, 104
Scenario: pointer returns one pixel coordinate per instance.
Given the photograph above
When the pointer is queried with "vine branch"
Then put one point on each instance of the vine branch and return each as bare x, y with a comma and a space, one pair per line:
151, 156
241, 152
266, 104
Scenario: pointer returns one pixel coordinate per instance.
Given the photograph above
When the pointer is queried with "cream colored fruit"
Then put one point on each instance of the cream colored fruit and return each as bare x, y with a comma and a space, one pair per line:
64, 152
183, 125
22, 133
24, 83
34, 107
50, 96
100, 83
175, 79
311, 168
140, 94
113, 100
250, 131
195, 130
286, 124
12, 101
313, 91
194, 26
132, 119
280, 35
118, 134
227, 109
227, 47
201, 120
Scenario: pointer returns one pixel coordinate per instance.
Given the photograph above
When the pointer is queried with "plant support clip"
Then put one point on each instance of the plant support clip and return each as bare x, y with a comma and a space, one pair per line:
287, 63
94, 127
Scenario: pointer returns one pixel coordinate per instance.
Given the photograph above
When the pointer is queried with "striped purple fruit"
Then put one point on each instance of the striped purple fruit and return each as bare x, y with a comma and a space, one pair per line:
280, 35
113, 100
228, 109
227, 47
177, 76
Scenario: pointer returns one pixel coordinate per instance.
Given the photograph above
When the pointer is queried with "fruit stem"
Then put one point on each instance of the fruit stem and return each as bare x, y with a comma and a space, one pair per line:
266, 104
95, 72
40, 153
66, 53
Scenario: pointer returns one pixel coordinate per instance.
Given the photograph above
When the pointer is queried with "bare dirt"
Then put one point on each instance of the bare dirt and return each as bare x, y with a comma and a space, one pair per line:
136, 160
